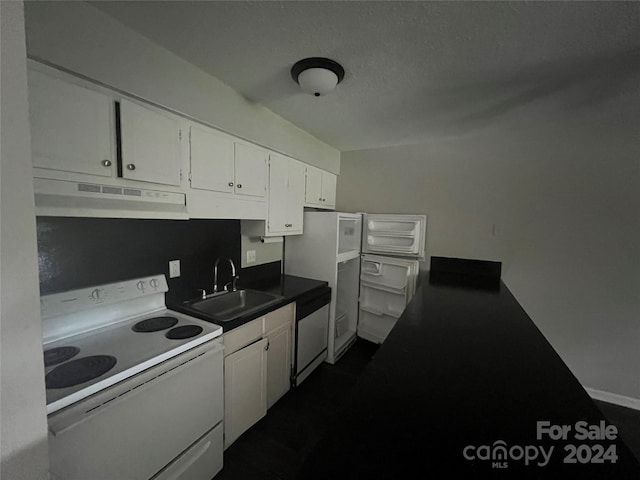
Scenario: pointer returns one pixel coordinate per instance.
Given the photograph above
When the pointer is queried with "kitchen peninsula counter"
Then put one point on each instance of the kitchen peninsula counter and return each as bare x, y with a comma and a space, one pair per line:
465, 371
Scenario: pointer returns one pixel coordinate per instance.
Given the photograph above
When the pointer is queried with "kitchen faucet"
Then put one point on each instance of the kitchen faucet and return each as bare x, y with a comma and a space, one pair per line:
215, 275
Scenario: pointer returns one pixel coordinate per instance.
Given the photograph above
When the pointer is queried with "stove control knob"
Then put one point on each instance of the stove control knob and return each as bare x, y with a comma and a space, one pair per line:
140, 286
96, 294
154, 283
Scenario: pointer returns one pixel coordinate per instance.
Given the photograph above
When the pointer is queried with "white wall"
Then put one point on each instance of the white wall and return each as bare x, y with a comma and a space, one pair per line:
265, 252
23, 430
565, 191
78, 37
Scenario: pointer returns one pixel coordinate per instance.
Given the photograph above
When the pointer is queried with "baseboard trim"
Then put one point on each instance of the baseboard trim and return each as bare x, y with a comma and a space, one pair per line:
614, 398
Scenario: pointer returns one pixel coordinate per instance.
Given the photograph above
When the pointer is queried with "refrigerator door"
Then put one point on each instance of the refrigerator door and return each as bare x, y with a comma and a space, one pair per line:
349, 236
386, 286
398, 235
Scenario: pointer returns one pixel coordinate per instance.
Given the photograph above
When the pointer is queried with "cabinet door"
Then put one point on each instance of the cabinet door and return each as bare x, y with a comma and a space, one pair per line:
250, 171
286, 195
295, 201
313, 186
150, 144
245, 385
278, 364
211, 160
278, 194
71, 127
329, 189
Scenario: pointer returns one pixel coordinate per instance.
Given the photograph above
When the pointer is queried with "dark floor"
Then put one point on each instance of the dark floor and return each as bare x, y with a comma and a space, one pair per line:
275, 447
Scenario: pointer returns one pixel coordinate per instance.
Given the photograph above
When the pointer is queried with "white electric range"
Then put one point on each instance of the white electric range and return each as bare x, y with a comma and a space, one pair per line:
134, 390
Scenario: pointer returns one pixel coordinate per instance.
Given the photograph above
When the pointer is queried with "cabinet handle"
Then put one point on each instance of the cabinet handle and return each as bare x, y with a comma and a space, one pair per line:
288, 225
131, 166
231, 184
106, 163
266, 347
239, 185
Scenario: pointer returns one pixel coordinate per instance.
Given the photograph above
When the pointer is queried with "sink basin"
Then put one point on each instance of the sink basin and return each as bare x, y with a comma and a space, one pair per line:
224, 307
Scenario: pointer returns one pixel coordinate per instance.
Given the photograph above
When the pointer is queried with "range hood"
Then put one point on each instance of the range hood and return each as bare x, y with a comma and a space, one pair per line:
62, 198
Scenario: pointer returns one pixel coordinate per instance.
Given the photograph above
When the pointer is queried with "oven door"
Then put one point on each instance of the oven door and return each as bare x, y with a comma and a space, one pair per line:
137, 427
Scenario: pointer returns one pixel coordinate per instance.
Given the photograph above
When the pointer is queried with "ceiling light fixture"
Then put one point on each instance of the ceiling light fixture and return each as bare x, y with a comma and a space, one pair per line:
317, 76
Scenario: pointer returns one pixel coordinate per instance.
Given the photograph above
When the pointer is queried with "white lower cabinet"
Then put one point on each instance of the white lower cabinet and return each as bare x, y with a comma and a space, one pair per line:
279, 333
278, 364
245, 384
257, 369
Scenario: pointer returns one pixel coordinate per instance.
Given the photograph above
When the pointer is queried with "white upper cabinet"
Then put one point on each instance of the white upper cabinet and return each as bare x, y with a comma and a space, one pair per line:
329, 181
286, 195
219, 163
320, 188
89, 139
212, 165
250, 170
71, 127
150, 142
228, 177
313, 187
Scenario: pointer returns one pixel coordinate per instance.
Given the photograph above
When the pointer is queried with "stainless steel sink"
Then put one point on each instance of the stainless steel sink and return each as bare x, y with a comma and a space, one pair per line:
224, 307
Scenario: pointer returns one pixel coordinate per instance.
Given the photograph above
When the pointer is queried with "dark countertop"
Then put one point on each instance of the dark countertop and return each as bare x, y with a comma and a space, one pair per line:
463, 367
290, 287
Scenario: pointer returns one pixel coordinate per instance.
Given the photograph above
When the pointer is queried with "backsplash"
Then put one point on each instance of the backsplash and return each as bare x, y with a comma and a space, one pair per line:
80, 252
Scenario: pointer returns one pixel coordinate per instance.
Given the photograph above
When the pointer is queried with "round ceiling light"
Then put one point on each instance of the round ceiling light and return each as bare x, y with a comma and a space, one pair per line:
317, 76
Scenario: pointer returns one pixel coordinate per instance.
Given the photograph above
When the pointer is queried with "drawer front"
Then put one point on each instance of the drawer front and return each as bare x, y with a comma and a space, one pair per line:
278, 318
242, 336
202, 460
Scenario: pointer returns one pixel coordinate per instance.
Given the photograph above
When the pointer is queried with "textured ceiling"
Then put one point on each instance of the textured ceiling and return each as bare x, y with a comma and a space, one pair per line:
414, 70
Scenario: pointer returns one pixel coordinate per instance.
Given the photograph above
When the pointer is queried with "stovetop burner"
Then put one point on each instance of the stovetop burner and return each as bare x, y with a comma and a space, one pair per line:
154, 324
185, 331
79, 371
54, 356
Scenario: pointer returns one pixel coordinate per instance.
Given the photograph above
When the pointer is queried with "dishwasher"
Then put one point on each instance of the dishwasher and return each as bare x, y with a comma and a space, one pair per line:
312, 331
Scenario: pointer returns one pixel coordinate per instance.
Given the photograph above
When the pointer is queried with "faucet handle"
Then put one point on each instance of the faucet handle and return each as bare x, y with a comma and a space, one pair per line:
203, 292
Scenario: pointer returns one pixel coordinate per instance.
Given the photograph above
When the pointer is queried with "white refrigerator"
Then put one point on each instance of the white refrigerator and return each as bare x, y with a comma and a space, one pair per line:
392, 246
369, 261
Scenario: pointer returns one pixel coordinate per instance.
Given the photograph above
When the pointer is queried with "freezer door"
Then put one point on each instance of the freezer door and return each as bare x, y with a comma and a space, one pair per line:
401, 235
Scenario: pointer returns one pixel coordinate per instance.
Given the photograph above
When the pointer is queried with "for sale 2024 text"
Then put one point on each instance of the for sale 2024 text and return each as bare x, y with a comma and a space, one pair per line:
585, 450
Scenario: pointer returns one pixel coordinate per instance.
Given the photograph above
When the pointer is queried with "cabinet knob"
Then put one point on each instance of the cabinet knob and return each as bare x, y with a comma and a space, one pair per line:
320, 199
131, 166
231, 184
106, 163
324, 199
288, 225
239, 185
